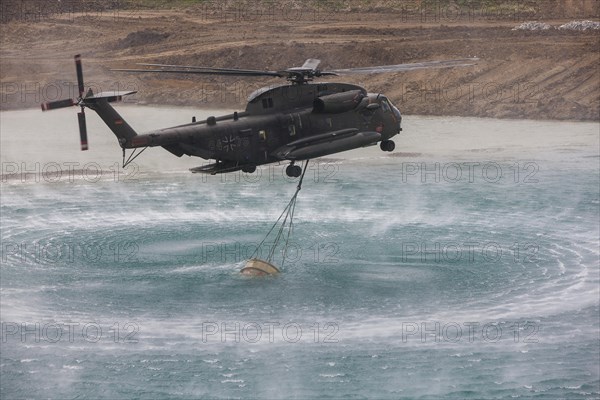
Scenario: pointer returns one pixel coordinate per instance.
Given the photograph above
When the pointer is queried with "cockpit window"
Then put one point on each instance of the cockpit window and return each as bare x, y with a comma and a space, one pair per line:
385, 106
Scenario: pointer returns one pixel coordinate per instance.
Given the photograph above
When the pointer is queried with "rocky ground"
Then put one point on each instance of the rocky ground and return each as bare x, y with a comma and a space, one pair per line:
546, 73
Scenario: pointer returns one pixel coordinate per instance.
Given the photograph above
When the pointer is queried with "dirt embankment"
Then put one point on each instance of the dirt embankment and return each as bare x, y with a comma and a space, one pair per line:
549, 74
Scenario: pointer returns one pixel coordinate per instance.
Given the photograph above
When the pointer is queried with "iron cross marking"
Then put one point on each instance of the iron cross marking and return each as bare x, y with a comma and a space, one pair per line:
228, 143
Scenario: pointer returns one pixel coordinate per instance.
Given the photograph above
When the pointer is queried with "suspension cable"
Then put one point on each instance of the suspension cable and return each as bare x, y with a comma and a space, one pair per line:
288, 212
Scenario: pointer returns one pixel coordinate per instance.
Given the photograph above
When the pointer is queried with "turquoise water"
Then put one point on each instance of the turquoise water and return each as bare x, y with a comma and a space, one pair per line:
400, 283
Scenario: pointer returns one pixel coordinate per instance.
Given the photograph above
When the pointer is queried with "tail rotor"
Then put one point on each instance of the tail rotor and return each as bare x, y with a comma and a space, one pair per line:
54, 105
99, 103
81, 115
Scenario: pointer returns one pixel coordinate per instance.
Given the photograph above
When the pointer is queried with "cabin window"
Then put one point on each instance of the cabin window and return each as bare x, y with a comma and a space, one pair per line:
292, 130
262, 134
267, 103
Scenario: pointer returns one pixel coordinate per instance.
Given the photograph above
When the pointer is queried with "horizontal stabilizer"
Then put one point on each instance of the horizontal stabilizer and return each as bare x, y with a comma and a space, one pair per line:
108, 96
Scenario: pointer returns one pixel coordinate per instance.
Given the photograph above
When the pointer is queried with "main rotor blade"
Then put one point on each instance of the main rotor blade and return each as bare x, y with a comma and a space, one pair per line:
405, 67
298, 73
79, 69
181, 69
203, 68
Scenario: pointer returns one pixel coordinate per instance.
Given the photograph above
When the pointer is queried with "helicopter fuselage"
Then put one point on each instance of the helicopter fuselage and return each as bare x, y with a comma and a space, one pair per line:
288, 122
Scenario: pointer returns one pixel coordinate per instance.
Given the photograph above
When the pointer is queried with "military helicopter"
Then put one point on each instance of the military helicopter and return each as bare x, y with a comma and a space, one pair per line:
297, 121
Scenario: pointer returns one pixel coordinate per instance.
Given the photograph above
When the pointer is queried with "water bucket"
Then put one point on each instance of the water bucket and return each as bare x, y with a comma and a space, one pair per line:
256, 267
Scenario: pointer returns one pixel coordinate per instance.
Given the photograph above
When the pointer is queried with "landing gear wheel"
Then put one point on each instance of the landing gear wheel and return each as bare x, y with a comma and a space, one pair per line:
293, 171
249, 169
387, 145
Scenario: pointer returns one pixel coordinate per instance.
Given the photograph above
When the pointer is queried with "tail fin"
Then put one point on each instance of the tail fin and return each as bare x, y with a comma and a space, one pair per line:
110, 116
